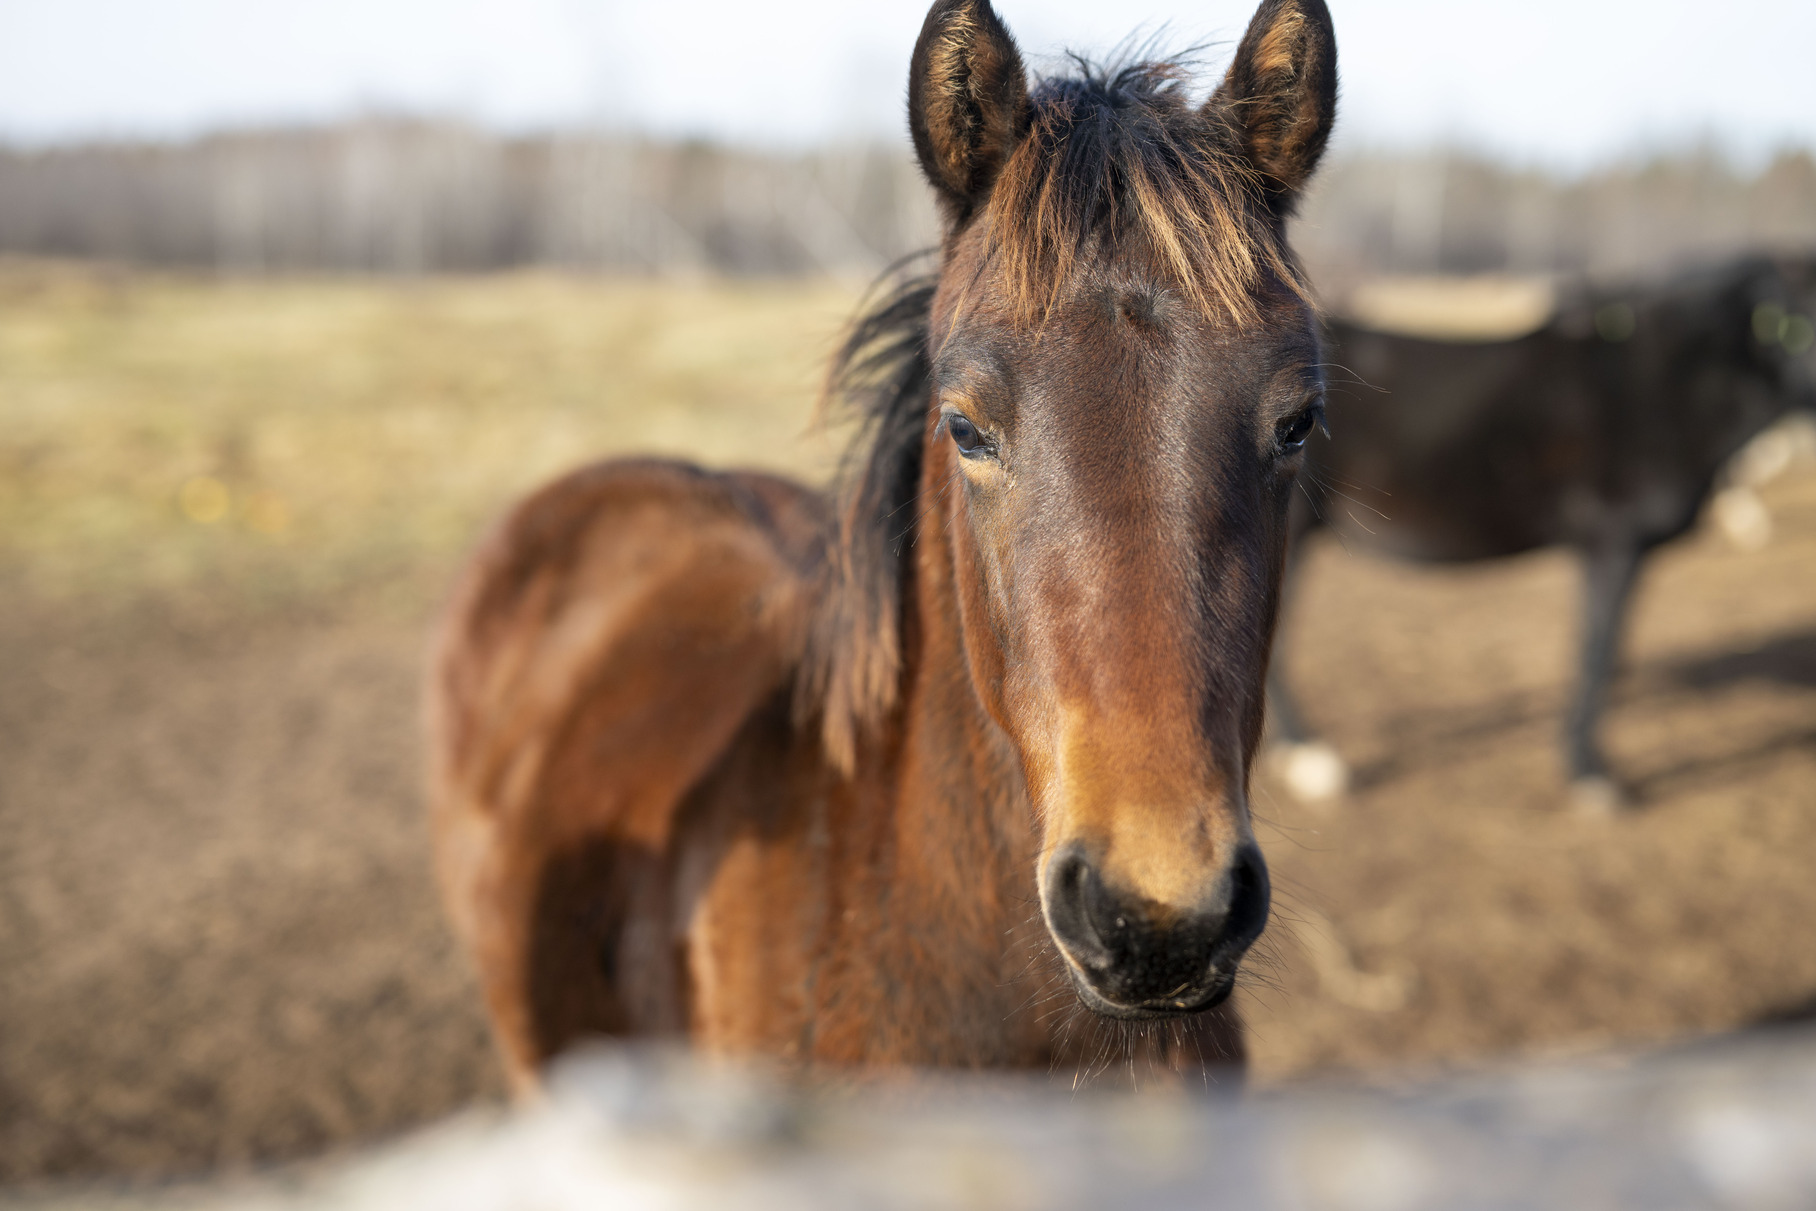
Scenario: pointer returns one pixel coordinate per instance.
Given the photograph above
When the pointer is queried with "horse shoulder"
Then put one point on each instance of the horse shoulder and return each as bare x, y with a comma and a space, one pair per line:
606, 644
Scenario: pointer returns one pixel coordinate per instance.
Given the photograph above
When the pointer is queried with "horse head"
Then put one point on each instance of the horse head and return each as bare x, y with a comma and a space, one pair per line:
1123, 369
1781, 292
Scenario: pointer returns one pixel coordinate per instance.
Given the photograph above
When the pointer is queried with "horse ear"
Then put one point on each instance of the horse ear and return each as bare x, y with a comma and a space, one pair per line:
967, 101
1279, 98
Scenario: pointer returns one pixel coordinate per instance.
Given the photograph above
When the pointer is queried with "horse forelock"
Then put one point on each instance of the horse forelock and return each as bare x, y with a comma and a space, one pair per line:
1116, 155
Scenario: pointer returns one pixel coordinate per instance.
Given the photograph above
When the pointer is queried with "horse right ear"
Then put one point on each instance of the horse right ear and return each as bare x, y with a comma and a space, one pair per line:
967, 102
1279, 100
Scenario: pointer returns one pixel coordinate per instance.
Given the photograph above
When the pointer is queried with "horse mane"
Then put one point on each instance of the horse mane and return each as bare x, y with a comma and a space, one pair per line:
880, 376
1114, 153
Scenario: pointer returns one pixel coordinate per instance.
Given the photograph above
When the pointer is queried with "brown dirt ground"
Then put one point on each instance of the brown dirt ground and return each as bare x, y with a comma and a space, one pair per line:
1457, 874
219, 942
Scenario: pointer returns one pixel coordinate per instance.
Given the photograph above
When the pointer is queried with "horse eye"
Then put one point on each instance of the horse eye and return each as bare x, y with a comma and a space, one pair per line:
1291, 432
965, 436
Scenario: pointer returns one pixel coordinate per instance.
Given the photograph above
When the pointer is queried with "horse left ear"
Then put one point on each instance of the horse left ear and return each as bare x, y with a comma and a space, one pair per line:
1279, 99
967, 102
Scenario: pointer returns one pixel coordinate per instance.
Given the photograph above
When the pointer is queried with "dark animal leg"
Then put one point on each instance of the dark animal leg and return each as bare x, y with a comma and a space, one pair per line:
1611, 569
1312, 769
1284, 719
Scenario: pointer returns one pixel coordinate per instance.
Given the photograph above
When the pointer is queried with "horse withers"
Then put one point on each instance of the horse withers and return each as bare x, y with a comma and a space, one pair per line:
1603, 431
949, 768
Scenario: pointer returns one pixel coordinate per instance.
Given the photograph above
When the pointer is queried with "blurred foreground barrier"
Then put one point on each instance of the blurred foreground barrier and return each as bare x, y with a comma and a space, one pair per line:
1728, 1124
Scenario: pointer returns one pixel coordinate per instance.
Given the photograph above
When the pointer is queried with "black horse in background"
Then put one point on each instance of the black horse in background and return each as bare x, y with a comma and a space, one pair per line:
1604, 431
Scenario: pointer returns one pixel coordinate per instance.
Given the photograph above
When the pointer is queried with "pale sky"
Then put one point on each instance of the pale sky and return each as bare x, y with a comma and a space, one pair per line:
1557, 81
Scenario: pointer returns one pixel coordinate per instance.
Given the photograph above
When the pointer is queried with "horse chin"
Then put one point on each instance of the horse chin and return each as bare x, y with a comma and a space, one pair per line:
1213, 992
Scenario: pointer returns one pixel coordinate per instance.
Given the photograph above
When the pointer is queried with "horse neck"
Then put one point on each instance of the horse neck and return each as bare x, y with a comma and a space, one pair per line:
1751, 396
1754, 406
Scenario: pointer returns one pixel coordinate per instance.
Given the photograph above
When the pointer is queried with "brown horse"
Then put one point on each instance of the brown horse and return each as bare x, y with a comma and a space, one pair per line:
951, 768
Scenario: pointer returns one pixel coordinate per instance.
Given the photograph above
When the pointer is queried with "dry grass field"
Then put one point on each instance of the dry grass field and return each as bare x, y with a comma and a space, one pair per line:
301, 437
227, 508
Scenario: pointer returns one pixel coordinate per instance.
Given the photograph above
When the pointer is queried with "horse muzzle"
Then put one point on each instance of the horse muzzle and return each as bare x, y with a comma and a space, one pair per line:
1133, 958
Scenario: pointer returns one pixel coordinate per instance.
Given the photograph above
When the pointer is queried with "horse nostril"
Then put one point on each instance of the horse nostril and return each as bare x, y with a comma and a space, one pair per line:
1076, 907
1249, 896
1105, 913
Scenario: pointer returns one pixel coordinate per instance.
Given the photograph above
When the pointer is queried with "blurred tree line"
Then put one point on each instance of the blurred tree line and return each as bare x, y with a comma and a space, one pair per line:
409, 196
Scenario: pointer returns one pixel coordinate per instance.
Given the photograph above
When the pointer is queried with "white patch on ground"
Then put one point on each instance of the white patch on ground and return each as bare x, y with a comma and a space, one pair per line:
1743, 518
1313, 771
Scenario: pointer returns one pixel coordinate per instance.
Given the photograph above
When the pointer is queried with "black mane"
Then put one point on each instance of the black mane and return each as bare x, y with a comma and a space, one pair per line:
880, 375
